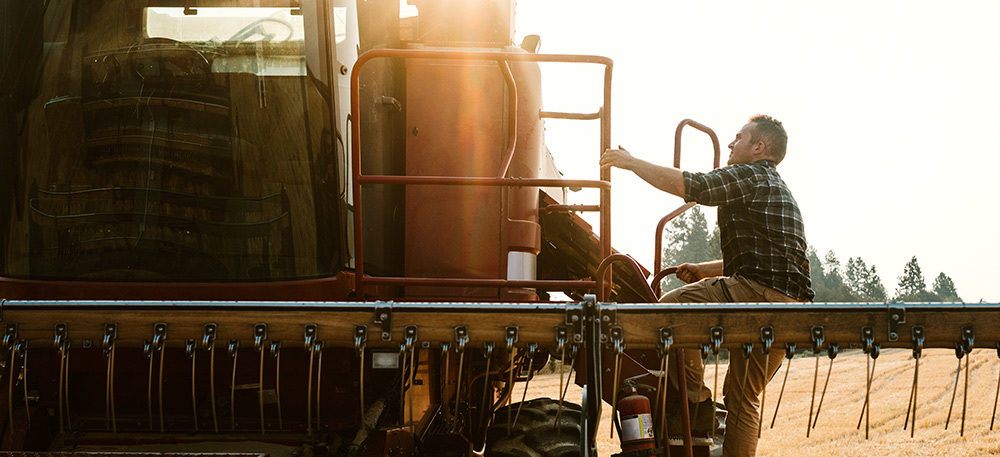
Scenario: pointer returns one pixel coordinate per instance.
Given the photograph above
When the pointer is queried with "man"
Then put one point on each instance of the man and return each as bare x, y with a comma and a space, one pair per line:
763, 257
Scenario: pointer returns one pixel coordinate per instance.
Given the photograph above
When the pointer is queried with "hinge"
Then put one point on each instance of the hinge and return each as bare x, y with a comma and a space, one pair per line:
968, 338
510, 333
717, 339
110, 335
360, 338
609, 319
259, 336
574, 322
867, 338
666, 340
766, 338
9, 335
383, 316
61, 336
410, 332
159, 335
818, 336
461, 338
310, 336
208, 337
897, 316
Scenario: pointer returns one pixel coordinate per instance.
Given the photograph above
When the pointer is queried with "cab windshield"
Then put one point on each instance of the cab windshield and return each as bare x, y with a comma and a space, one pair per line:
169, 141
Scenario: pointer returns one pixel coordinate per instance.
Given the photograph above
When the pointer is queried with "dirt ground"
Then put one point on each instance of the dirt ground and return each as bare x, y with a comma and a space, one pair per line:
837, 432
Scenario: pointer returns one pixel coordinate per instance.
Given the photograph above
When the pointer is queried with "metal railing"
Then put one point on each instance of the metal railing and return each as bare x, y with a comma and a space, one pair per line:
500, 180
658, 235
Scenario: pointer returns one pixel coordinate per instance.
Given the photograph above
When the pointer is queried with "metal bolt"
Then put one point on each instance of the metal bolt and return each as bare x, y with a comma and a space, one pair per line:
893, 336
343, 69
383, 316
415, 131
606, 318
575, 318
895, 317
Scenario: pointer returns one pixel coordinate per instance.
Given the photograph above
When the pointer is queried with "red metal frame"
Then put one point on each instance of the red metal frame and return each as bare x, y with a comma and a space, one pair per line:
502, 58
604, 268
658, 235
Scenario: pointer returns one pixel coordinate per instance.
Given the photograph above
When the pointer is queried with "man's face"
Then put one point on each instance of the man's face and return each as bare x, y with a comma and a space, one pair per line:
741, 148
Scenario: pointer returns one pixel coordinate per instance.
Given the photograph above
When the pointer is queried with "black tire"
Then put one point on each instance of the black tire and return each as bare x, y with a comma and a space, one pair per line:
535, 433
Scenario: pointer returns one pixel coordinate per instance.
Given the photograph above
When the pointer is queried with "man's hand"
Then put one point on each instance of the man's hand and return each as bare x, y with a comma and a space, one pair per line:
694, 272
667, 179
689, 273
619, 158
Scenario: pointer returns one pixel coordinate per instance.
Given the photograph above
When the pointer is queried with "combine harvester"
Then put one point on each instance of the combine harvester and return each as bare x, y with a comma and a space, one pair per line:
298, 227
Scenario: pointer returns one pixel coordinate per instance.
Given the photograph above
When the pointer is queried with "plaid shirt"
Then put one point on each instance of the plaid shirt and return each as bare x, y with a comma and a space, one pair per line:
761, 228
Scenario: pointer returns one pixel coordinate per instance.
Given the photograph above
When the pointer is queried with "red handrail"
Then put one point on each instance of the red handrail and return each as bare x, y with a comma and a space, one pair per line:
658, 235
502, 58
703, 128
604, 268
657, 278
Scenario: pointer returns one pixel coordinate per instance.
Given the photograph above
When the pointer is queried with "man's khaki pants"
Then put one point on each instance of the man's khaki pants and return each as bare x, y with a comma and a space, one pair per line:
740, 438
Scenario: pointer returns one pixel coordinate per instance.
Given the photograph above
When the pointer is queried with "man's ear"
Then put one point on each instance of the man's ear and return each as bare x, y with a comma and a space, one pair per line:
760, 148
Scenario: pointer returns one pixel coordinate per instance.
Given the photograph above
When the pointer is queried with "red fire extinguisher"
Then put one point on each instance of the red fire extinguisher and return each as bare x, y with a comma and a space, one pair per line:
636, 420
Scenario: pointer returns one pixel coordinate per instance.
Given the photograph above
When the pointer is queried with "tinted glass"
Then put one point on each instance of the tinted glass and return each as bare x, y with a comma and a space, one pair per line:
168, 143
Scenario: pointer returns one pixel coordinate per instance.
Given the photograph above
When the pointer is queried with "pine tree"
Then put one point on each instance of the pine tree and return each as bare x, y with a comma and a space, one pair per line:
856, 275
831, 270
687, 239
944, 287
873, 289
912, 286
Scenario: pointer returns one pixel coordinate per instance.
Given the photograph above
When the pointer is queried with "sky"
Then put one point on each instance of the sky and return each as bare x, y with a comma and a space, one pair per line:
891, 108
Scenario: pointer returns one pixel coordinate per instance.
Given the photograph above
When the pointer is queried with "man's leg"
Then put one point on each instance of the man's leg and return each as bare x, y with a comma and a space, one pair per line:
743, 406
704, 291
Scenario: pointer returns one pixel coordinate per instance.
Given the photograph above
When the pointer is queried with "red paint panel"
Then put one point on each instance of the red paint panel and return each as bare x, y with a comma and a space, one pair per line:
455, 127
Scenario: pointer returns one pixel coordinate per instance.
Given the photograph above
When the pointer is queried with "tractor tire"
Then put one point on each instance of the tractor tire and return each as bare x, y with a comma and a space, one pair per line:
535, 433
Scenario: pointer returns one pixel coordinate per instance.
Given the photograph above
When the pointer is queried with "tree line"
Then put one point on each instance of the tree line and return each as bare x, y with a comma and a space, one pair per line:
688, 239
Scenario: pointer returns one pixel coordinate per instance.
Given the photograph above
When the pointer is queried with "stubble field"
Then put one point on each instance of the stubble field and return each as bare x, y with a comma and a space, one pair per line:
837, 433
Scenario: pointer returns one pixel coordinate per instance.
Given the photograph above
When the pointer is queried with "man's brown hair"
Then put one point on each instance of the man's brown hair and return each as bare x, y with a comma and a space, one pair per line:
772, 133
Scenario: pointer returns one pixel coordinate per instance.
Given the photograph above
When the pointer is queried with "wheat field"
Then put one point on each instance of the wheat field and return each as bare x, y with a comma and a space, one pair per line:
837, 432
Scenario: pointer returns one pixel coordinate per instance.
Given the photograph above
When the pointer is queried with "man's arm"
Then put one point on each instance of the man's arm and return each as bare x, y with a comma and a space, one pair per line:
667, 179
692, 272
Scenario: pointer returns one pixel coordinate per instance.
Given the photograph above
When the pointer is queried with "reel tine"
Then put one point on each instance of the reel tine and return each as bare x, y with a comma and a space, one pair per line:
917, 336
959, 353
968, 336
766, 340
831, 352
461, 339
488, 354
817, 343
234, 352
446, 355
789, 354
717, 337
614, 394
319, 386
276, 353
531, 358
147, 350
995, 396
208, 344
189, 350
